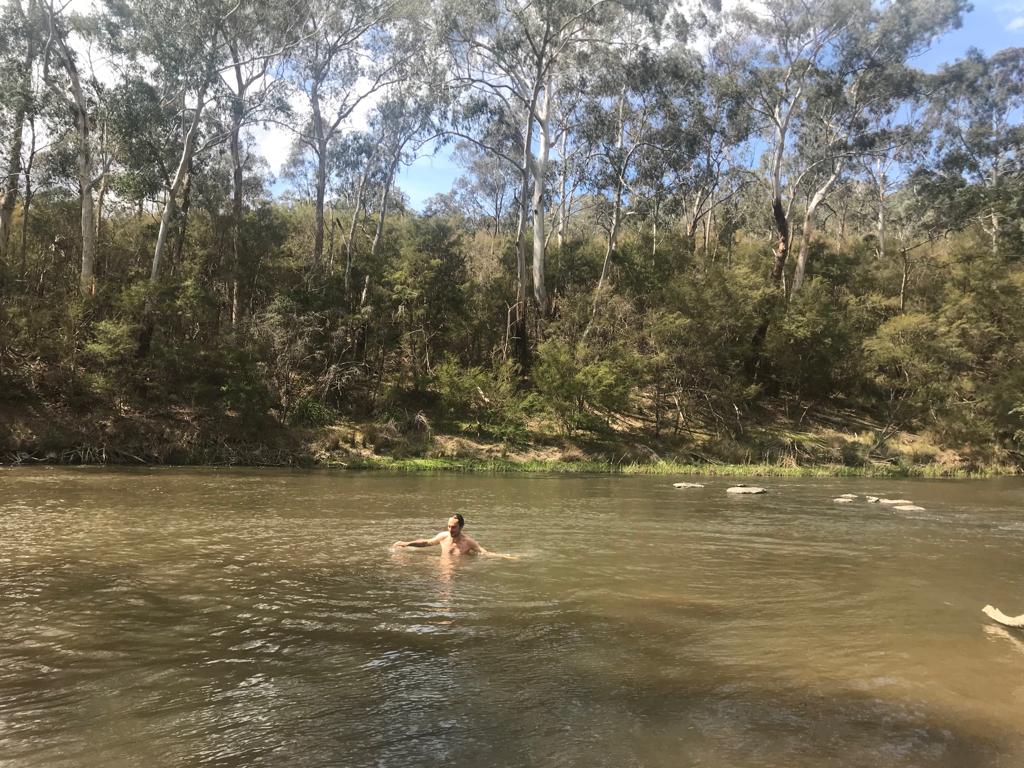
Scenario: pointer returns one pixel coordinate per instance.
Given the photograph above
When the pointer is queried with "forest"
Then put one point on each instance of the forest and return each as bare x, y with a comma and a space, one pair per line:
693, 233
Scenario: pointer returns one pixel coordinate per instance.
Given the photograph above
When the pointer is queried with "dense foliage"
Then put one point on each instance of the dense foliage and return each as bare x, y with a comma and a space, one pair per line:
683, 225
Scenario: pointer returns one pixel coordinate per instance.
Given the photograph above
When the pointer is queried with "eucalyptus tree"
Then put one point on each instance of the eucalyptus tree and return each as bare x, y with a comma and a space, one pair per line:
508, 60
344, 57
487, 189
979, 147
814, 70
256, 37
703, 130
401, 120
623, 122
186, 61
20, 33
61, 70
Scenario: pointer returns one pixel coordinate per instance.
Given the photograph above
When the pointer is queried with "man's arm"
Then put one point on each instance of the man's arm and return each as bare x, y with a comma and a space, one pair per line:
475, 547
421, 542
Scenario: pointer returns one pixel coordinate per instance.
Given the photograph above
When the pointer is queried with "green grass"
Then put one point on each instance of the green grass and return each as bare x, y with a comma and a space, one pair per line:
414, 465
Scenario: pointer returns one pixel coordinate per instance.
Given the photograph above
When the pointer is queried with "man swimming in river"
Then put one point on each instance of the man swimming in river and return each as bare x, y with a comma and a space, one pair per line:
453, 541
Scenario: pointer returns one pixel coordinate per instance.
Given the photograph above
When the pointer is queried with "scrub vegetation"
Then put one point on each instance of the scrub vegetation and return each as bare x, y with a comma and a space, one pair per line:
726, 240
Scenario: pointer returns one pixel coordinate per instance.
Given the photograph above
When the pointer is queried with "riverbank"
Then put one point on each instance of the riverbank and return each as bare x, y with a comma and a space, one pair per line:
831, 445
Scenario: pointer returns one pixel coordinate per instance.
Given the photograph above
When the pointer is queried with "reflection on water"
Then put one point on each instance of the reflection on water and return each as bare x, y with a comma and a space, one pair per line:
183, 618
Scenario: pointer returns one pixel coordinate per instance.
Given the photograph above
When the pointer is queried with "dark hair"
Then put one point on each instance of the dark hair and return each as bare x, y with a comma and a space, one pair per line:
462, 521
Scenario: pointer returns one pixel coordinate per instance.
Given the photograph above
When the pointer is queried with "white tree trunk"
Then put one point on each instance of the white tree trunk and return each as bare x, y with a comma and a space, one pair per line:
808, 228
85, 181
540, 165
177, 183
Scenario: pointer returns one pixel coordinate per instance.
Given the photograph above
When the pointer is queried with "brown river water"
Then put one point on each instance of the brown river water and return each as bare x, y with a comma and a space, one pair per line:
182, 617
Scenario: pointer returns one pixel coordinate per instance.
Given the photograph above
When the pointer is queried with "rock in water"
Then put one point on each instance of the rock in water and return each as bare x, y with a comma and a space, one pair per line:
687, 485
872, 499
848, 495
895, 501
745, 489
843, 500
909, 508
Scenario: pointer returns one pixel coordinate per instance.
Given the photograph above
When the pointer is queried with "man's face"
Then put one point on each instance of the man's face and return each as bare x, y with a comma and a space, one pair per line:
453, 527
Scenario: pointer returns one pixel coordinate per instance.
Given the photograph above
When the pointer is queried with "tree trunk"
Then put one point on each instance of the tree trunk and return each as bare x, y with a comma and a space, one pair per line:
905, 257
350, 241
184, 165
23, 100
563, 212
26, 205
237, 179
779, 216
385, 196
11, 182
80, 107
782, 242
321, 197
521, 335
613, 230
321, 173
881, 214
101, 195
808, 229
186, 200
540, 293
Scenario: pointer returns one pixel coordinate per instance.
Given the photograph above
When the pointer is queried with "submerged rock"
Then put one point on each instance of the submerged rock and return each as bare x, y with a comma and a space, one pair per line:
843, 500
909, 508
848, 496
745, 489
872, 499
895, 501
687, 485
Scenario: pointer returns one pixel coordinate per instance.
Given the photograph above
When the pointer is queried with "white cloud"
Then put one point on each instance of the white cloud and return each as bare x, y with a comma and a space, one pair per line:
274, 143
1016, 24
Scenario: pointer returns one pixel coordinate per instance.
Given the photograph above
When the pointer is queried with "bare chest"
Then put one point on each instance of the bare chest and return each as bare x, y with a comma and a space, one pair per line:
455, 546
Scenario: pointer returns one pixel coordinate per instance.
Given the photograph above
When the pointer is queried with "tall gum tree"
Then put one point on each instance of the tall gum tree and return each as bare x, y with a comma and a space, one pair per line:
814, 69
16, 67
59, 52
343, 59
507, 61
980, 139
256, 38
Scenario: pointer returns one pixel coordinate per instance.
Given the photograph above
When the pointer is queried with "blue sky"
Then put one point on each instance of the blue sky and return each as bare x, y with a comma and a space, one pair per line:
991, 26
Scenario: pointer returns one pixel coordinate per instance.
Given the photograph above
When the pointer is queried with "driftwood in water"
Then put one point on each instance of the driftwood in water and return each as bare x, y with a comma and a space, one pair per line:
996, 615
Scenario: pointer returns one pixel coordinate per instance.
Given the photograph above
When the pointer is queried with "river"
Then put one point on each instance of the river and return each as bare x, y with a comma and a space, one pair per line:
201, 617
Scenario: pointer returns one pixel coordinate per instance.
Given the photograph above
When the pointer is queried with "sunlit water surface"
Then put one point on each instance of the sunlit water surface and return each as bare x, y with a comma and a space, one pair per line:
182, 617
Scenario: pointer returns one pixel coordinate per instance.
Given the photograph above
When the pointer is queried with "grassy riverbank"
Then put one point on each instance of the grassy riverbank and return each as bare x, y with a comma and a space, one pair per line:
825, 447
667, 468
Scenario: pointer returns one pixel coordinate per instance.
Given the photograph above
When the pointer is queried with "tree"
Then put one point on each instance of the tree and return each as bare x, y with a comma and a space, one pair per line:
256, 37
58, 47
508, 61
17, 68
980, 140
342, 60
815, 71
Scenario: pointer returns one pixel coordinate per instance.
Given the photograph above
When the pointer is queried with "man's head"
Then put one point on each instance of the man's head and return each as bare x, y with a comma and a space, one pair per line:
455, 524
